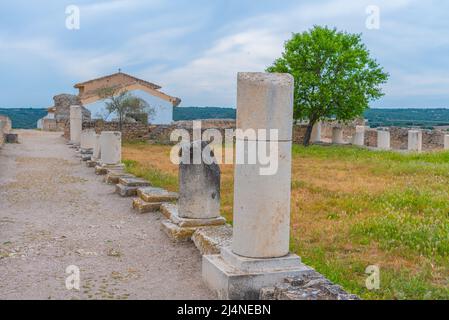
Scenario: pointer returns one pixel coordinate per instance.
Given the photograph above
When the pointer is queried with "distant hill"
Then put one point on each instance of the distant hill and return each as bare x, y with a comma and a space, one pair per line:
425, 118
196, 113
23, 118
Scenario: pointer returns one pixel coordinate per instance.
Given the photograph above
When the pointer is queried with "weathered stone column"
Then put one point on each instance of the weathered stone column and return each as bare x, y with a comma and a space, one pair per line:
316, 133
199, 195
259, 255
76, 123
359, 136
199, 188
446, 142
415, 140
96, 150
87, 139
111, 147
337, 135
262, 202
383, 140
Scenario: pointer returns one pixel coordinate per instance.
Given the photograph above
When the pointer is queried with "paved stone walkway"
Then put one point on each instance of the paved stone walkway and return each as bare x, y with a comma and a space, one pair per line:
54, 212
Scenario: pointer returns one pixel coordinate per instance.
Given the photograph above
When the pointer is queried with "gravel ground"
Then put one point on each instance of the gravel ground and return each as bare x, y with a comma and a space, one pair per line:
54, 212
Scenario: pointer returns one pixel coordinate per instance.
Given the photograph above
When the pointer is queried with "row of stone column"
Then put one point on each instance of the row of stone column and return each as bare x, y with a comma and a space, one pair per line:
105, 147
383, 138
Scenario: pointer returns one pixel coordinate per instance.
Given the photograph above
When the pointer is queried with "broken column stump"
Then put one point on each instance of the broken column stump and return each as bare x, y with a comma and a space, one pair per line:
11, 138
199, 194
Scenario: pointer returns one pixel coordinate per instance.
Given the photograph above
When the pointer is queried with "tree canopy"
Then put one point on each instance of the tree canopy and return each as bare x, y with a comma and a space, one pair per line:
335, 77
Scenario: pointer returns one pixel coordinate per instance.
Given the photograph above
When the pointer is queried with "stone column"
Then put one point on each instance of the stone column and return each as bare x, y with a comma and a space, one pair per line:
446, 142
111, 147
383, 139
259, 255
199, 187
96, 150
337, 135
316, 133
76, 123
415, 140
262, 202
87, 139
359, 136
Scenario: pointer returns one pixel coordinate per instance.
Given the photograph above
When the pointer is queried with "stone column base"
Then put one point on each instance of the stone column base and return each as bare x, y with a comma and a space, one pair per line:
235, 277
182, 229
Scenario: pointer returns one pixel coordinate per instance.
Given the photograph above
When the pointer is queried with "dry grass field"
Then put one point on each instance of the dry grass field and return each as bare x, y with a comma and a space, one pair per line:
352, 208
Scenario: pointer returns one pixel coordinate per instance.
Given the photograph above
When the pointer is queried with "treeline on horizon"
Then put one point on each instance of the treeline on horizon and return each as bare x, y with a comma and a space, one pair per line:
26, 118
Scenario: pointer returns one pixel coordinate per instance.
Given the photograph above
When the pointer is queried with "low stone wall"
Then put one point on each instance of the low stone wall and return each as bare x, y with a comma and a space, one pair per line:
130, 130
161, 133
431, 139
50, 125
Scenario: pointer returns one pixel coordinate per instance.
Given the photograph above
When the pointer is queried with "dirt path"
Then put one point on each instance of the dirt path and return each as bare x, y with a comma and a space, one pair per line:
54, 212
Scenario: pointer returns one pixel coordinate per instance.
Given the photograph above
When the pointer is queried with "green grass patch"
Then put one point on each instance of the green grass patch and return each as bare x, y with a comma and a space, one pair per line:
156, 177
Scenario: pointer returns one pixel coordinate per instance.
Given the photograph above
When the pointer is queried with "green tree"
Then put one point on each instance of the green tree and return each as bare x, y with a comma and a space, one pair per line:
121, 102
334, 75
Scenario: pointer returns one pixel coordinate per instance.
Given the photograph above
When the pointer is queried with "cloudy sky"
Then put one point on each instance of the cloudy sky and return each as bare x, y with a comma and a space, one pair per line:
194, 49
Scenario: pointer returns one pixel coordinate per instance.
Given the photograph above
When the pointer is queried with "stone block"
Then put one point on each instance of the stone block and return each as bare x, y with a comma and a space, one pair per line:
239, 278
153, 194
175, 232
133, 182
308, 286
100, 170
144, 207
210, 240
171, 212
113, 177
125, 191
11, 138
91, 163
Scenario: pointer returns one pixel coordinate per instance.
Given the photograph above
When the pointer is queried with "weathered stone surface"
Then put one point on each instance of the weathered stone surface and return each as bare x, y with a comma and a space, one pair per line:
415, 140
113, 177
171, 212
76, 120
383, 140
199, 185
358, 138
235, 277
307, 286
91, 163
132, 181
316, 133
125, 191
144, 207
85, 157
100, 170
153, 194
111, 147
446, 142
11, 138
337, 135
210, 240
175, 232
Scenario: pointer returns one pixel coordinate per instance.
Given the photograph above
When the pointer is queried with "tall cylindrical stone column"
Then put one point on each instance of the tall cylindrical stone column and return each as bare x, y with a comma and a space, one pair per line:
111, 147
262, 201
87, 139
359, 136
96, 150
415, 140
316, 133
337, 135
383, 139
446, 142
76, 123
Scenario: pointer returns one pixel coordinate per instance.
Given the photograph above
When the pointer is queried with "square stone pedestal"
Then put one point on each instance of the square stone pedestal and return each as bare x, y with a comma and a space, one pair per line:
182, 229
235, 277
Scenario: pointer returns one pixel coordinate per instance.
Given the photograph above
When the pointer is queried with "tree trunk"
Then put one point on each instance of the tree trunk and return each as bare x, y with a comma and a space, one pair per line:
308, 134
